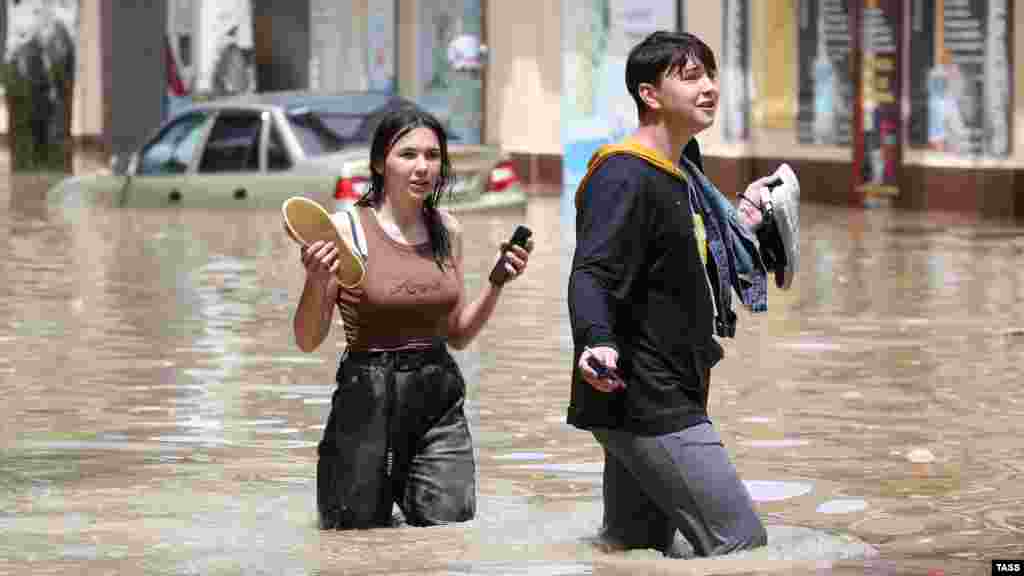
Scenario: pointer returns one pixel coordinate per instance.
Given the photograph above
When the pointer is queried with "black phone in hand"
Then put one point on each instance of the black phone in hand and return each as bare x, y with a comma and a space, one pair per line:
603, 371
519, 238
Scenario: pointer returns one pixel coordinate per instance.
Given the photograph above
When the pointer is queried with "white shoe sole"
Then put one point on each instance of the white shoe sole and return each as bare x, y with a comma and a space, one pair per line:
785, 199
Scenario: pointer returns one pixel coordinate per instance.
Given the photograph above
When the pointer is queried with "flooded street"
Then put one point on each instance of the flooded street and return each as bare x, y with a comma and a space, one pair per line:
159, 419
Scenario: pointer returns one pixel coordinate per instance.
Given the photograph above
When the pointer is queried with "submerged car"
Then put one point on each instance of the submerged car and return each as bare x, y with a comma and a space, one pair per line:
259, 150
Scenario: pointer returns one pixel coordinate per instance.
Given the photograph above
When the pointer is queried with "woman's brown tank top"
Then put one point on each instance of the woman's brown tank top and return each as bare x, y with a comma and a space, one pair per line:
405, 298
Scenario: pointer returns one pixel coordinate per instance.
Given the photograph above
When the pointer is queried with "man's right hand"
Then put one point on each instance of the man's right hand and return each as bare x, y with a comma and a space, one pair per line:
608, 357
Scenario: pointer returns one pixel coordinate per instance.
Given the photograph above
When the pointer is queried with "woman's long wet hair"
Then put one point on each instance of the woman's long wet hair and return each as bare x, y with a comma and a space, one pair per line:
394, 124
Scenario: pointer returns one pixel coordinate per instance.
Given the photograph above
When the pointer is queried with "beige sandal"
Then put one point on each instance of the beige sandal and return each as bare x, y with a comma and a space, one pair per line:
306, 221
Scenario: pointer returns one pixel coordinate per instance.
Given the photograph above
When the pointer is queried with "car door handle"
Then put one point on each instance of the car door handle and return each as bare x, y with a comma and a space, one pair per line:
240, 194
175, 195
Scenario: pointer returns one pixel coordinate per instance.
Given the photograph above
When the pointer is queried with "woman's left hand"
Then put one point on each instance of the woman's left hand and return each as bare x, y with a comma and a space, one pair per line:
516, 258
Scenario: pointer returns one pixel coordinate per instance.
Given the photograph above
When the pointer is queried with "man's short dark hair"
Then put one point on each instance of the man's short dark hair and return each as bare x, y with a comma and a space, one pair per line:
661, 54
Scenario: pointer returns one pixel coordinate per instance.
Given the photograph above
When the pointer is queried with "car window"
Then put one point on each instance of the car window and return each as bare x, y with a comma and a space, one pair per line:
323, 133
174, 147
315, 137
277, 154
234, 143
353, 103
331, 124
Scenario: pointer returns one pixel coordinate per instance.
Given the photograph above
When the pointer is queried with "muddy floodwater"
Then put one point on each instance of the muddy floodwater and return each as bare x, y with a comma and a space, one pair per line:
157, 417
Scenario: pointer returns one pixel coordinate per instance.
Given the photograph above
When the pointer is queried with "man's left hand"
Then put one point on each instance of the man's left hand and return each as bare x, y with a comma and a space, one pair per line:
751, 201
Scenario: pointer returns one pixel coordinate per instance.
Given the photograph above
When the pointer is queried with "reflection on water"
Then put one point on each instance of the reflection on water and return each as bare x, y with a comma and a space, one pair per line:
158, 418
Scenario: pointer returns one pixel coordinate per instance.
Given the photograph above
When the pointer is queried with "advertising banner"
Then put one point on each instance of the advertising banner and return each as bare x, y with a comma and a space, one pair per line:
596, 108
824, 86
960, 76
881, 23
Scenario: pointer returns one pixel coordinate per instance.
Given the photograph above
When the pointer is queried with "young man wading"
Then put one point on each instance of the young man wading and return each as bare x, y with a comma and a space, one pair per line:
659, 252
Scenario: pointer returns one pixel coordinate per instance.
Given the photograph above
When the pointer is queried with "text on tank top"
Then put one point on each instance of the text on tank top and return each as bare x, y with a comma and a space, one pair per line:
405, 298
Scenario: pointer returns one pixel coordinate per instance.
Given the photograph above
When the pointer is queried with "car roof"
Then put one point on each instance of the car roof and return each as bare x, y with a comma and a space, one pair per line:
297, 102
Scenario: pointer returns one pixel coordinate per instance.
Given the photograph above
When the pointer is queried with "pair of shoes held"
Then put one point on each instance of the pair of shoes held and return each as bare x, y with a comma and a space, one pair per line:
779, 233
306, 221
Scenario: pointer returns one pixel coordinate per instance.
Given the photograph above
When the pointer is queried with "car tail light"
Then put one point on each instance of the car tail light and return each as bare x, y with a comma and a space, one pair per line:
502, 176
351, 188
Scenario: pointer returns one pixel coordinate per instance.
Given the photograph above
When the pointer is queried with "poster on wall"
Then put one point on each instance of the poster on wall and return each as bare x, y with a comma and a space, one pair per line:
596, 108
881, 24
735, 79
453, 93
40, 58
380, 46
825, 92
960, 76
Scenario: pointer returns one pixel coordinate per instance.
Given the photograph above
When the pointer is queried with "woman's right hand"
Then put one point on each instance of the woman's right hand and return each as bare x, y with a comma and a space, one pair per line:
320, 260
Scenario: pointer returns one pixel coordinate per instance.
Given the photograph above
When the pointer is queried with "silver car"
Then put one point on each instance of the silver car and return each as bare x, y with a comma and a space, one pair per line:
260, 149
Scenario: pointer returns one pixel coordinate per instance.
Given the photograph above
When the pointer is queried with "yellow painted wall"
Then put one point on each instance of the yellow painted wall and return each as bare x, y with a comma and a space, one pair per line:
524, 77
774, 30
774, 70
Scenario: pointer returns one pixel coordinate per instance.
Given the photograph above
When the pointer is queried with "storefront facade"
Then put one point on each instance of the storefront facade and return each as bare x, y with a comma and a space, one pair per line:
942, 127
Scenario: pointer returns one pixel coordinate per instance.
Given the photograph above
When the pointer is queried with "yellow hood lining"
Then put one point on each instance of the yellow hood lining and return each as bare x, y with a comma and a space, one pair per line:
632, 148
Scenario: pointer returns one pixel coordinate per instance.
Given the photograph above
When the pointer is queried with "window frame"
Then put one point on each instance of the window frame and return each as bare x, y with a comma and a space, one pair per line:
272, 124
203, 128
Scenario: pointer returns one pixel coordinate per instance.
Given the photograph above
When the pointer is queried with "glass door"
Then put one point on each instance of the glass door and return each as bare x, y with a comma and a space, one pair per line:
449, 81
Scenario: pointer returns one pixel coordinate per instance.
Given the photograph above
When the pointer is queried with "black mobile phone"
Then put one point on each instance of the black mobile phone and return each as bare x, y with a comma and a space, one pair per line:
519, 238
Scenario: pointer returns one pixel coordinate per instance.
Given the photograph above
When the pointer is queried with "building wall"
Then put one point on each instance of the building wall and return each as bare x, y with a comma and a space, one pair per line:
522, 95
282, 31
524, 76
523, 84
87, 115
134, 81
339, 44
407, 11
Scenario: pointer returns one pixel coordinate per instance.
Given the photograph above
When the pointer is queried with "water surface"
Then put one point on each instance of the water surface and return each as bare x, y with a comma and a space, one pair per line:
158, 418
